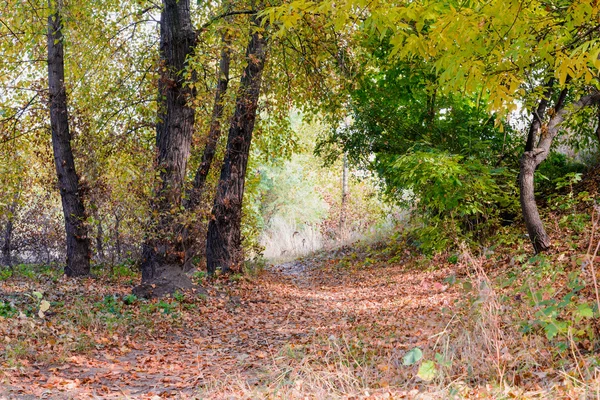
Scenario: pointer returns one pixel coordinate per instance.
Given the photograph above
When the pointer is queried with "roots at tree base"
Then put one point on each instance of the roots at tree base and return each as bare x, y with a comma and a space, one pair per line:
168, 282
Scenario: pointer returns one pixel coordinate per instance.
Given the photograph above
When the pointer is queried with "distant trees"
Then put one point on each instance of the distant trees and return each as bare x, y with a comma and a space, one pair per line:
84, 92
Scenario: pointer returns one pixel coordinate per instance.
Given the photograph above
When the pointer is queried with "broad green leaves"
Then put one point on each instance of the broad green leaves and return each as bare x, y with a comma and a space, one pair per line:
427, 371
412, 357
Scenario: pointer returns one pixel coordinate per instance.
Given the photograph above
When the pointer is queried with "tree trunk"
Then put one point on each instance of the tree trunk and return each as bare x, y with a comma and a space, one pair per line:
533, 157
194, 234
342, 232
163, 253
6, 246
214, 132
535, 227
223, 242
99, 236
78, 245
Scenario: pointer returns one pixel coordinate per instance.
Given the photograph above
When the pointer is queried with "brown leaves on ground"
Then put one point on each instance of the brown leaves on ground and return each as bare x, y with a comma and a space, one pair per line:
243, 333
334, 326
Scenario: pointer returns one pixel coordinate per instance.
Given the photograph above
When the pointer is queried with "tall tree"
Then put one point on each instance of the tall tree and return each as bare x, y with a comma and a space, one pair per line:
163, 253
78, 245
223, 243
195, 233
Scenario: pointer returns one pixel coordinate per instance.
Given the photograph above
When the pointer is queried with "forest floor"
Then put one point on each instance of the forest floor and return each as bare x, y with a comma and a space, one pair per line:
350, 323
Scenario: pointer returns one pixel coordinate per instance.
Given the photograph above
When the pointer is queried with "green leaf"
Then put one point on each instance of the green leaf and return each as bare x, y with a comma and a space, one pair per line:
427, 371
585, 311
413, 356
439, 358
37, 295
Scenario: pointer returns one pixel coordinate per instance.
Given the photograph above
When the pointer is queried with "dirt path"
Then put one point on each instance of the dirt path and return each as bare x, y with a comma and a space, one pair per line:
247, 335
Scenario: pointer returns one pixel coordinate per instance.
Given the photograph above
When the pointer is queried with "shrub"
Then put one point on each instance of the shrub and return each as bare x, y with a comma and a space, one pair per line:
455, 196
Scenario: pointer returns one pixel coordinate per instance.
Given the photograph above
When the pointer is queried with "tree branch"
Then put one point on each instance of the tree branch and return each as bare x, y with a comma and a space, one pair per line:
225, 15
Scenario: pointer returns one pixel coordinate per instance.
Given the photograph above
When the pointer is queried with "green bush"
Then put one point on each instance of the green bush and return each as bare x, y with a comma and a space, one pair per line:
455, 196
555, 171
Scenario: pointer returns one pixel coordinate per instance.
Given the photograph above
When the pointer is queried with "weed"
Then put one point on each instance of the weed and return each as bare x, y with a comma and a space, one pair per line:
7, 310
178, 296
5, 273
129, 299
254, 267
124, 270
14, 352
25, 271
198, 277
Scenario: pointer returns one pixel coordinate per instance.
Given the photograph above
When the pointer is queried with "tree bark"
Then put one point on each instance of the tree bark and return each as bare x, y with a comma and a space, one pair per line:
214, 132
194, 233
78, 244
223, 243
163, 253
533, 157
6, 246
535, 227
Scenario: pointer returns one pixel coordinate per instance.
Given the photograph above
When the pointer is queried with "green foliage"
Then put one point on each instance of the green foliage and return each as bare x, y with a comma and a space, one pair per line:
25, 270
125, 269
129, 299
557, 172
5, 273
110, 305
456, 196
557, 312
7, 310
198, 277
427, 370
412, 357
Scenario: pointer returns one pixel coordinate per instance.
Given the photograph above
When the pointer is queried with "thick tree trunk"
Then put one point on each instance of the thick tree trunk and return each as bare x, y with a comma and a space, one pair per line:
163, 252
223, 243
534, 156
78, 245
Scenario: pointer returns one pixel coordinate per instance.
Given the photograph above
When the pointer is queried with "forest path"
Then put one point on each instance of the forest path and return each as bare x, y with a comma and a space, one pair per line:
250, 335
